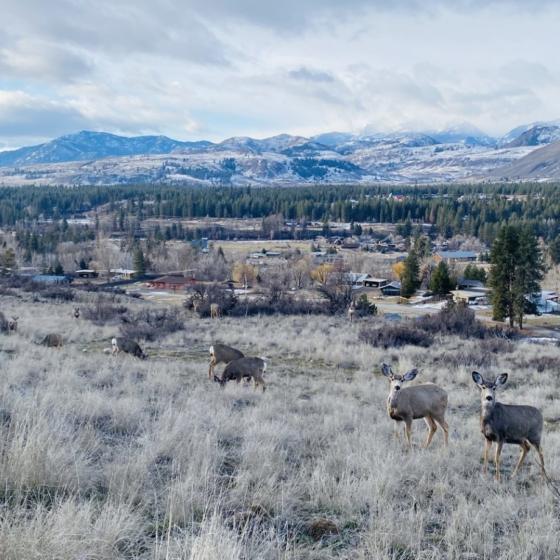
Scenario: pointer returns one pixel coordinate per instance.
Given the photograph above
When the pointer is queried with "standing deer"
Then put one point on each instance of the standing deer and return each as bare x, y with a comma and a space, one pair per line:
405, 404
222, 354
507, 423
352, 311
13, 324
215, 311
246, 367
76, 312
52, 340
127, 345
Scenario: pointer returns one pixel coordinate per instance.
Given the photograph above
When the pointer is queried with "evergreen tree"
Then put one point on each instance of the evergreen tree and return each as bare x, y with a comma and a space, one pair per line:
441, 282
138, 262
473, 272
58, 270
517, 268
410, 276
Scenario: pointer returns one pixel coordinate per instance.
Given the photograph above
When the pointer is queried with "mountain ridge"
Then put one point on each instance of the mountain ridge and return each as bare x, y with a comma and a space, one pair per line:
458, 153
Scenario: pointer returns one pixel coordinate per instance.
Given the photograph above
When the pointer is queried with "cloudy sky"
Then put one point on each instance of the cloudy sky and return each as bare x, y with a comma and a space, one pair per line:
211, 69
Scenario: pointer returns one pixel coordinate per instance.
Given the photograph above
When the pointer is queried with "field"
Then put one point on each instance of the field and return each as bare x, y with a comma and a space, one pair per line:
107, 457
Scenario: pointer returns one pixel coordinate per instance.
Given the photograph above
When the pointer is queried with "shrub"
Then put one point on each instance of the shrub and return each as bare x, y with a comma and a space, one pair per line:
394, 336
102, 311
364, 307
151, 324
454, 318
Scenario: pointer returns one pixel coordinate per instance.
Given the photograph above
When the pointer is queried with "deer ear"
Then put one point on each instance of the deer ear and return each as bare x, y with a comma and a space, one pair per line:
386, 370
410, 375
477, 378
501, 379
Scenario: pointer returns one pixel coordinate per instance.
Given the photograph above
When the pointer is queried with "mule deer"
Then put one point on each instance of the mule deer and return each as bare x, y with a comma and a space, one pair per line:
405, 404
222, 354
127, 345
13, 324
507, 423
352, 311
52, 340
77, 312
215, 311
244, 368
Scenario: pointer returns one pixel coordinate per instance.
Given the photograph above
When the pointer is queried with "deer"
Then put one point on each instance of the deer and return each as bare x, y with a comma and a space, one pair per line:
76, 312
222, 354
13, 324
507, 423
52, 340
405, 404
127, 345
246, 367
215, 311
352, 311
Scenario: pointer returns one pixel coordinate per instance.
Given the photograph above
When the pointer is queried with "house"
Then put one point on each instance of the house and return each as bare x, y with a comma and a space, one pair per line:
546, 302
467, 284
171, 282
371, 282
122, 273
470, 297
86, 273
456, 256
391, 289
51, 279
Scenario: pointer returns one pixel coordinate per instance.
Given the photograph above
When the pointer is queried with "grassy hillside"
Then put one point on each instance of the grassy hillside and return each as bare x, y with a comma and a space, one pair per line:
112, 457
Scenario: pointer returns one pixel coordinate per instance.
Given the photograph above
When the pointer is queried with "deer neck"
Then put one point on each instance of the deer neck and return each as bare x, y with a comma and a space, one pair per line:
489, 410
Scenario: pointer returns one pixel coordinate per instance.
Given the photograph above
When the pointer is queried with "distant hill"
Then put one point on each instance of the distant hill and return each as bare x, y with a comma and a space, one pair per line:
542, 163
87, 145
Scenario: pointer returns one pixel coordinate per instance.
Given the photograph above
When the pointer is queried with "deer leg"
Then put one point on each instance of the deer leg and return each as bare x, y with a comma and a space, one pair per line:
445, 428
487, 447
538, 449
524, 450
499, 446
432, 428
408, 432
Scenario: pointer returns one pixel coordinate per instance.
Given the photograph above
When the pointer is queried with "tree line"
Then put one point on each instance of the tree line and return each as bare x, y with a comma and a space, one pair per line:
478, 210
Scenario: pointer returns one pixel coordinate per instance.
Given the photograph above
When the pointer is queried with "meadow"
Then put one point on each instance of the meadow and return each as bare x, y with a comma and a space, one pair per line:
106, 457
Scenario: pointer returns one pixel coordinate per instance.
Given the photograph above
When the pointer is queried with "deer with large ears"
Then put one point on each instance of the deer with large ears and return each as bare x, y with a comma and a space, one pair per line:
507, 423
405, 404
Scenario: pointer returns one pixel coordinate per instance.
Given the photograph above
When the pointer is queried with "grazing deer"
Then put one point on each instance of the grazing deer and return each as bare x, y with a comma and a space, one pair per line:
52, 340
215, 311
13, 324
127, 345
405, 404
76, 312
352, 311
222, 354
246, 367
507, 423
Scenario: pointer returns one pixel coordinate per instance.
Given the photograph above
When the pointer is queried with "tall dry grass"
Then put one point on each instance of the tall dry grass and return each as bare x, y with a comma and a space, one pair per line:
104, 457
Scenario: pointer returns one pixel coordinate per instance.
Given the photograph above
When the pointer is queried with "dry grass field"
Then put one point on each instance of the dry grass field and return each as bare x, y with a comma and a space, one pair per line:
107, 457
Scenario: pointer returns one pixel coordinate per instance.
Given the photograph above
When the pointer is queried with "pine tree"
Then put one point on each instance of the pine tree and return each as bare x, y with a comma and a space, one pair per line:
410, 276
138, 262
441, 282
517, 268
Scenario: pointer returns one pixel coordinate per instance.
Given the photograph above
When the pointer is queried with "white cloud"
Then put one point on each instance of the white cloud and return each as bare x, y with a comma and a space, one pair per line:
216, 68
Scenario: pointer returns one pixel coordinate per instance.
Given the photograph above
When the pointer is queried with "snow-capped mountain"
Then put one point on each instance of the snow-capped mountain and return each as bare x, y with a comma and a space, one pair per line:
514, 135
538, 135
88, 145
458, 153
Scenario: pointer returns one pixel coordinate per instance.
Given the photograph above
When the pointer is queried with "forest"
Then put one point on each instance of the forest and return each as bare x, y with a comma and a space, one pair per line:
477, 210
